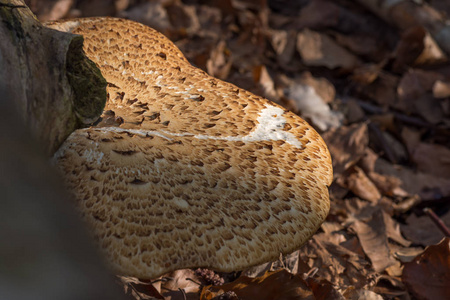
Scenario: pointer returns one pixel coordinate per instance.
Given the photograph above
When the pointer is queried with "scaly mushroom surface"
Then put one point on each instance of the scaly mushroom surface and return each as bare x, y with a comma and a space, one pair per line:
186, 170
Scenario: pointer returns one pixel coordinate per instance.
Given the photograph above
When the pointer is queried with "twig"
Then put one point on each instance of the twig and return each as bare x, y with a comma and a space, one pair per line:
163, 279
135, 290
312, 272
439, 223
183, 292
190, 279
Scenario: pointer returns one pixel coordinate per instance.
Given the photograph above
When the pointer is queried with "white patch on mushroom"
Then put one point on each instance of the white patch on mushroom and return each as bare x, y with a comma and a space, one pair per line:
134, 131
180, 202
93, 155
270, 128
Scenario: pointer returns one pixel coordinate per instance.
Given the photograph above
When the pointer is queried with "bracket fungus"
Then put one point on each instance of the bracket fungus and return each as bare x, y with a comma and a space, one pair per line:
185, 170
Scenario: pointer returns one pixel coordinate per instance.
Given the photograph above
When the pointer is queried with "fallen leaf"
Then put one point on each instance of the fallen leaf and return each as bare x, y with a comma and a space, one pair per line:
312, 107
373, 238
415, 182
415, 95
324, 290
151, 13
357, 294
138, 289
317, 49
219, 62
417, 48
321, 86
263, 79
441, 89
334, 263
357, 181
407, 254
428, 275
422, 231
347, 145
432, 159
182, 283
272, 285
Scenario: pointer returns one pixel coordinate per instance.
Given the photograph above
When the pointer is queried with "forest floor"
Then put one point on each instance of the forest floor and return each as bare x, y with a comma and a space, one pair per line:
374, 80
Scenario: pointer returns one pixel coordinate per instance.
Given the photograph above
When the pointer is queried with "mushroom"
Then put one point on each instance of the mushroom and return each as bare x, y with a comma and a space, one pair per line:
198, 172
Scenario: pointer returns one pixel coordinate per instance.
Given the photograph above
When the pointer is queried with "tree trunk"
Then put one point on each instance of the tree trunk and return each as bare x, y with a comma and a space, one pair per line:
45, 250
55, 87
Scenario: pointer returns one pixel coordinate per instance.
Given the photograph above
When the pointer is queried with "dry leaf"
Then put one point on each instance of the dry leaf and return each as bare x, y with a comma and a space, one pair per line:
428, 275
272, 285
312, 107
139, 290
317, 49
358, 182
432, 159
441, 89
415, 95
347, 145
359, 294
422, 231
324, 290
185, 280
219, 62
415, 182
373, 238
151, 13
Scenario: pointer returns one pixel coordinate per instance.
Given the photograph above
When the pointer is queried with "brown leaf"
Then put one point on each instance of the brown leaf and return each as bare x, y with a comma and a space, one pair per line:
334, 262
309, 104
347, 145
428, 275
185, 280
272, 285
324, 88
383, 90
356, 294
324, 290
219, 62
441, 89
50, 10
138, 289
415, 182
373, 238
283, 42
183, 17
415, 95
263, 79
432, 159
393, 230
418, 48
422, 231
357, 181
317, 49
151, 13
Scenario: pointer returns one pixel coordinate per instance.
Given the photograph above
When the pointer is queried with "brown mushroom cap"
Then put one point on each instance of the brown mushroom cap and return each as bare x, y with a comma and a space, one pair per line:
198, 172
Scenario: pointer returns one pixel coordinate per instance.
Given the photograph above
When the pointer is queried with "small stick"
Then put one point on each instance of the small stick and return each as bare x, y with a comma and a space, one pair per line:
190, 279
135, 290
183, 292
439, 223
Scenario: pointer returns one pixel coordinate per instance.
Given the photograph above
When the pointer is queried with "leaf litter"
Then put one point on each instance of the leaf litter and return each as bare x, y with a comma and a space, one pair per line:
374, 78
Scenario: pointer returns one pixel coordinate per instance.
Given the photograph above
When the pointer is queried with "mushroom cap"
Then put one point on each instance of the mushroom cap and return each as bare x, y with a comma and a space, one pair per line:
198, 172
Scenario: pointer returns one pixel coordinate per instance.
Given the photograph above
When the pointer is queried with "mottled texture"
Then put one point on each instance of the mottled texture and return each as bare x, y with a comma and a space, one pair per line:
186, 170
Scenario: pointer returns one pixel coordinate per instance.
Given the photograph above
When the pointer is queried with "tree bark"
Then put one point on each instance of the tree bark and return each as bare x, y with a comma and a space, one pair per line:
45, 250
56, 88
